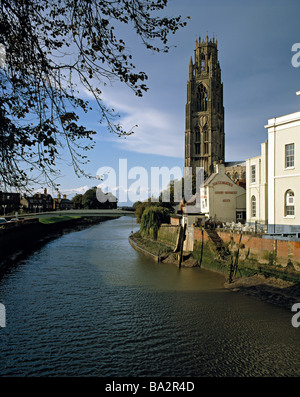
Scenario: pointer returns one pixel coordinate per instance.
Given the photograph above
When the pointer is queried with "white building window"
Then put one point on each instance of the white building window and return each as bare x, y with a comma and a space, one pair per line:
289, 203
253, 173
289, 155
253, 206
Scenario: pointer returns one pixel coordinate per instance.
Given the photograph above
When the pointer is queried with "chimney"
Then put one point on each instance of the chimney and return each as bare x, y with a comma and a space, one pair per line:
45, 191
220, 168
64, 196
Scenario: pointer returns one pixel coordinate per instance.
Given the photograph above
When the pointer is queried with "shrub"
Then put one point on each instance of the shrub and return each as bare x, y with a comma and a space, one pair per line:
152, 218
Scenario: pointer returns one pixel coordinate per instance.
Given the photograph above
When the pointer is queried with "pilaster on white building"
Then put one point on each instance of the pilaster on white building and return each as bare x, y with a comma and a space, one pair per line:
257, 187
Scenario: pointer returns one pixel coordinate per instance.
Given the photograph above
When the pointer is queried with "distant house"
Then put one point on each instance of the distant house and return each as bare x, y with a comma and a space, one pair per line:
39, 202
62, 203
9, 202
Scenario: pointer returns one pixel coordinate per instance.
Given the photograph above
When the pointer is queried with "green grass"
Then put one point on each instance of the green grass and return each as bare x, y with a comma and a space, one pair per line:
55, 219
155, 247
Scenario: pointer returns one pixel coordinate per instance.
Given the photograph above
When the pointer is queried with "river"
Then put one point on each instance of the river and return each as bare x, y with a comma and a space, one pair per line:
88, 304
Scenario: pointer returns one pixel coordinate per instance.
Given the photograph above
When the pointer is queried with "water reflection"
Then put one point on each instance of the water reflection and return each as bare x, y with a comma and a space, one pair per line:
89, 304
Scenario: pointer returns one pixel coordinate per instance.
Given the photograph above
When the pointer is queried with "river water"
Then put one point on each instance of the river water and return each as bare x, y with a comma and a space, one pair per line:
88, 304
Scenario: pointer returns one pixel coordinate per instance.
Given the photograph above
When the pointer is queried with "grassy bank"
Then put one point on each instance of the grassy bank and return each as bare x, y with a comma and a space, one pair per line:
56, 219
153, 246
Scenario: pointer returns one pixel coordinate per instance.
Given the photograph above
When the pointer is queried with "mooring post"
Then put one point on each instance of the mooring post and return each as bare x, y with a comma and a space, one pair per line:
181, 245
202, 233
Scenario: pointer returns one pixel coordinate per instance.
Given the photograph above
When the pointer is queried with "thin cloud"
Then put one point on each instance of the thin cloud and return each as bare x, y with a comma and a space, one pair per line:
155, 131
74, 191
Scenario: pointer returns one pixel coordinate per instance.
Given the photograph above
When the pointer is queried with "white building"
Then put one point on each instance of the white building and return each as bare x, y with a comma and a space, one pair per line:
221, 199
273, 178
284, 174
257, 187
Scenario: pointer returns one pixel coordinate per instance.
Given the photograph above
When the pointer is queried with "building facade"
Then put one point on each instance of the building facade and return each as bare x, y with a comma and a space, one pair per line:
62, 203
9, 202
284, 174
221, 199
204, 129
257, 187
39, 202
236, 170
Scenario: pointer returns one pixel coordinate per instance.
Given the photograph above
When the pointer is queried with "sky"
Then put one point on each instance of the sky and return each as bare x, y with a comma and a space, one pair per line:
255, 41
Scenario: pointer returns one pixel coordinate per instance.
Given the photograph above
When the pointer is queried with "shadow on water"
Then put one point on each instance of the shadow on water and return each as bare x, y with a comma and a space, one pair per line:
88, 304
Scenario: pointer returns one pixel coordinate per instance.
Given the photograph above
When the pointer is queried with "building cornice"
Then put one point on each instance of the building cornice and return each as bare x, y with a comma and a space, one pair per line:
283, 120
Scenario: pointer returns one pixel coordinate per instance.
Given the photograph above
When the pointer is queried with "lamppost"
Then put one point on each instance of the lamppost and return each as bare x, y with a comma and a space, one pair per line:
4, 206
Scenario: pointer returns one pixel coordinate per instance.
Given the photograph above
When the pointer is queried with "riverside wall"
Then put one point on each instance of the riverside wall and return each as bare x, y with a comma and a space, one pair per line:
281, 252
254, 253
168, 234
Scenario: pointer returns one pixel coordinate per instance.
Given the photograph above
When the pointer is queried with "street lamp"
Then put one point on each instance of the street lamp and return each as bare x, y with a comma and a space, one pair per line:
4, 206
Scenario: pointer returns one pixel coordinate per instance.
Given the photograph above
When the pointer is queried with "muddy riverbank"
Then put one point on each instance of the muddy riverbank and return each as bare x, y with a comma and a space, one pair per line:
267, 289
20, 240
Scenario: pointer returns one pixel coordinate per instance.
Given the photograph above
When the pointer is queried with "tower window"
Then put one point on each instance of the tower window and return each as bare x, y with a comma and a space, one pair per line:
197, 148
206, 148
202, 98
205, 136
202, 62
197, 135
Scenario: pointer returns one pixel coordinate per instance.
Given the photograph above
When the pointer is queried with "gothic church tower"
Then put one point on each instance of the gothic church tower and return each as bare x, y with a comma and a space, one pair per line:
204, 130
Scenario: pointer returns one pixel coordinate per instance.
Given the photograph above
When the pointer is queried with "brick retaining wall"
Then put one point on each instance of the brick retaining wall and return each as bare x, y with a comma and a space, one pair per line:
258, 246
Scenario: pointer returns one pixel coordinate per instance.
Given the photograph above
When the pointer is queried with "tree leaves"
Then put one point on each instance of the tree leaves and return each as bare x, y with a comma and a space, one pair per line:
54, 48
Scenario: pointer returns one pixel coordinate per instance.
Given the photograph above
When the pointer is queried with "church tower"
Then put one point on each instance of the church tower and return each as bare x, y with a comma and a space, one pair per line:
204, 129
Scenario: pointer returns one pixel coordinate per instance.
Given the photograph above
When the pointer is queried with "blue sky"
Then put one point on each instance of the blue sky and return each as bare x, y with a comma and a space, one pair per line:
255, 42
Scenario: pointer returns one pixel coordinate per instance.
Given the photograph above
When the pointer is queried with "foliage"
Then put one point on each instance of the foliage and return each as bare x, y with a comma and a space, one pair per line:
134, 205
152, 218
141, 206
90, 200
139, 211
54, 49
77, 201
